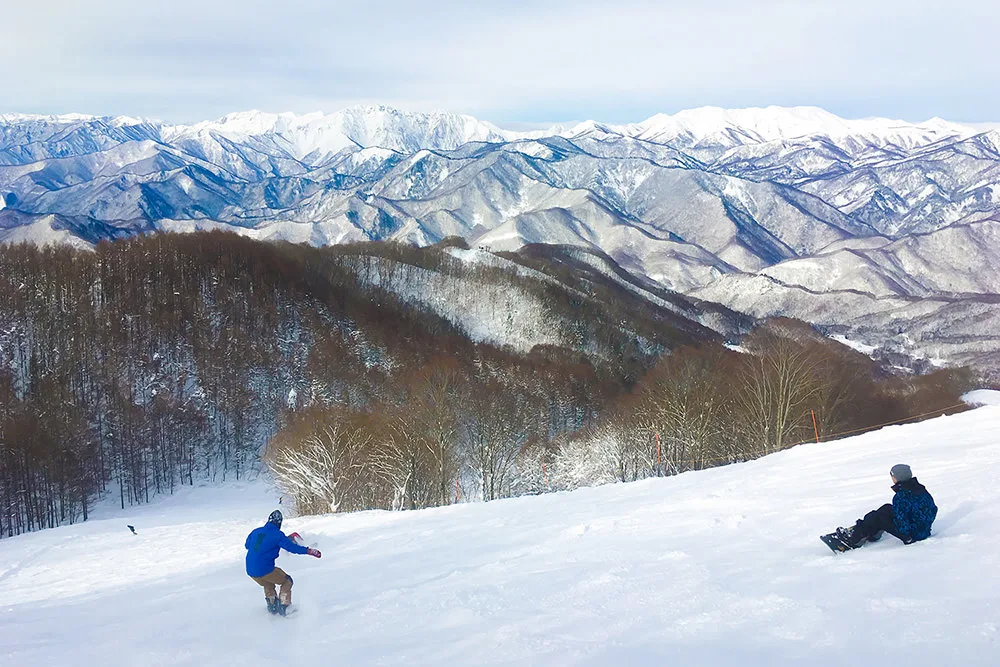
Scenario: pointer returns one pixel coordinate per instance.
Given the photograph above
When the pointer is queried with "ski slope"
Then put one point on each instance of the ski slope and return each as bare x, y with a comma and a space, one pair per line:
717, 567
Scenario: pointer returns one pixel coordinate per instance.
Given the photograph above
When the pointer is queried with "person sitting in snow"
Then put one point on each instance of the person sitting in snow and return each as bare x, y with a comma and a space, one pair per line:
909, 517
263, 545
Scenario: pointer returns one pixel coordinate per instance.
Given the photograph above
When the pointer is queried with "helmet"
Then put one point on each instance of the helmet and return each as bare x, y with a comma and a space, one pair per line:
275, 518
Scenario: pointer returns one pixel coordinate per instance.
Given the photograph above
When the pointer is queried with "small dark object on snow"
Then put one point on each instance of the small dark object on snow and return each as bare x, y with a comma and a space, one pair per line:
132, 528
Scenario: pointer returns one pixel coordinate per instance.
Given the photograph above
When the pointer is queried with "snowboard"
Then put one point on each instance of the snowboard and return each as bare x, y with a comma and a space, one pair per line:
289, 611
836, 544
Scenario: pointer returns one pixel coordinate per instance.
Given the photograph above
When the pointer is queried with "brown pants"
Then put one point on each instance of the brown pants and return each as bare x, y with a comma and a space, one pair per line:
277, 577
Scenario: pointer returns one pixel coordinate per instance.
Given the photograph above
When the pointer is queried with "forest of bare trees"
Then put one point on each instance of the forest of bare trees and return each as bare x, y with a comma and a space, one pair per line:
168, 360
704, 407
165, 360
460, 433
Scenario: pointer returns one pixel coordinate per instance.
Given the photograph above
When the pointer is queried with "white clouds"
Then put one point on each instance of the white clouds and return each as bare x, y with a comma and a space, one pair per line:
188, 59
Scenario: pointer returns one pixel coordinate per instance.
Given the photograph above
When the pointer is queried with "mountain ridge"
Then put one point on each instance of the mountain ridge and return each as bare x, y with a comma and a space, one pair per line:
768, 123
696, 200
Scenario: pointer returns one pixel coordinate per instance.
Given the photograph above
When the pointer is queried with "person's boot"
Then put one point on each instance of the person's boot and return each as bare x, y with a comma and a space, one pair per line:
280, 609
852, 537
876, 537
272, 605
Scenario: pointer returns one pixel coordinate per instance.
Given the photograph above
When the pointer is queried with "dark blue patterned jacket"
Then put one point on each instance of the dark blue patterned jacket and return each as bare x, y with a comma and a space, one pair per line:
913, 510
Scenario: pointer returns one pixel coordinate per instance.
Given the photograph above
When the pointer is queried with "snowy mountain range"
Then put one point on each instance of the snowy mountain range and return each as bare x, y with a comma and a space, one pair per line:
884, 231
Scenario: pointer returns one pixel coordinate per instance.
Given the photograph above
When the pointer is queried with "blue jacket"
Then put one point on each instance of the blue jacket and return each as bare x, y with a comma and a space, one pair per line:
913, 510
262, 548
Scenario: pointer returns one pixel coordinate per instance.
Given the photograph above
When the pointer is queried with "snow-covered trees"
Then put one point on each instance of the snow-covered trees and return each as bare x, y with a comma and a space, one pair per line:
324, 461
600, 456
162, 360
454, 432
403, 462
701, 407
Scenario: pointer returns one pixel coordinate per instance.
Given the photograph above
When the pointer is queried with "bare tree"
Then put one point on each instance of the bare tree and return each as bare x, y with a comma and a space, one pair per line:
323, 465
404, 462
781, 381
683, 403
434, 393
498, 423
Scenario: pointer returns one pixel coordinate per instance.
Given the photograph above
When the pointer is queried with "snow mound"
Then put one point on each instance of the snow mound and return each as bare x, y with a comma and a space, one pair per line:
717, 567
982, 397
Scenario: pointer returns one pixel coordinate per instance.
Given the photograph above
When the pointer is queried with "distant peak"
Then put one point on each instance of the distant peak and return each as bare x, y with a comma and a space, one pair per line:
70, 118
774, 123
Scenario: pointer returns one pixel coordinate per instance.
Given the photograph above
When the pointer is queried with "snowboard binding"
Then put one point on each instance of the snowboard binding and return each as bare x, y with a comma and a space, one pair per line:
839, 541
277, 608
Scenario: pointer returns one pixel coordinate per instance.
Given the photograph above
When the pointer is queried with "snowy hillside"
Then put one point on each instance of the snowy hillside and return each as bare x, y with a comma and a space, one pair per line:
716, 567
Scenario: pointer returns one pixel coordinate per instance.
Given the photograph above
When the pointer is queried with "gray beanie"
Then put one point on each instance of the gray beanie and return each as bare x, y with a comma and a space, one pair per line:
901, 472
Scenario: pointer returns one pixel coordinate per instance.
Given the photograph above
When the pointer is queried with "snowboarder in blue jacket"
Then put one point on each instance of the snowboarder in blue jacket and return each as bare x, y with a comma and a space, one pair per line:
909, 517
263, 545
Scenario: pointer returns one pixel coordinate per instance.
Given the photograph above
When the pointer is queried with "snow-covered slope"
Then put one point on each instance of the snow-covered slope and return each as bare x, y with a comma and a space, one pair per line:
716, 567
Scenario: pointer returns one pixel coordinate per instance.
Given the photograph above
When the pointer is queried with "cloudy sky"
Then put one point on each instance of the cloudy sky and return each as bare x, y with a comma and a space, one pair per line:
510, 62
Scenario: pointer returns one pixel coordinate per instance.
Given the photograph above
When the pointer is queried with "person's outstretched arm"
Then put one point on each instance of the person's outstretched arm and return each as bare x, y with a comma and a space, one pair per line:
289, 545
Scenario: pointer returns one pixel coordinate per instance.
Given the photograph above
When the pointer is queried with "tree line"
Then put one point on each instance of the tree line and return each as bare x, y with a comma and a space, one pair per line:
164, 360
457, 434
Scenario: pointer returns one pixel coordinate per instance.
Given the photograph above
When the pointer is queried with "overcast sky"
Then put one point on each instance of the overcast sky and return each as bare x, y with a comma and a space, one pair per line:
508, 62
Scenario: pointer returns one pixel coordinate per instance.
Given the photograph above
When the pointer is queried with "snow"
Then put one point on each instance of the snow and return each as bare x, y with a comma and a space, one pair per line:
42, 233
716, 567
487, 311
982, 397
776, 123
855, 345
364, 126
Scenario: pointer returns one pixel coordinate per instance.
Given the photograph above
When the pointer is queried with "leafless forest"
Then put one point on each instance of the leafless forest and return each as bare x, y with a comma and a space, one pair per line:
167, 360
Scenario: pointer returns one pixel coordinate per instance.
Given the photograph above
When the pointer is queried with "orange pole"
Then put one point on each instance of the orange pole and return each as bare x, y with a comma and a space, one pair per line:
815, 428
